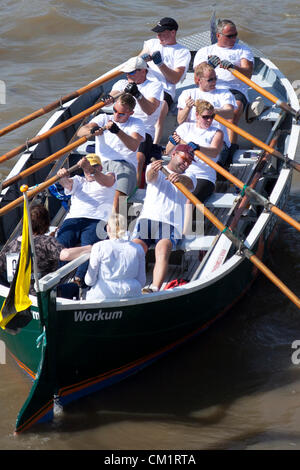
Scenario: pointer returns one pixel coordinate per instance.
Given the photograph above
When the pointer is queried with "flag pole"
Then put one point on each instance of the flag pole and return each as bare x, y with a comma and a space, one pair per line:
24, 189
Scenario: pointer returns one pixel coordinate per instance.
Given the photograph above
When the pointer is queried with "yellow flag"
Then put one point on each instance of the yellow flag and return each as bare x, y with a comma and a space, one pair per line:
18, 300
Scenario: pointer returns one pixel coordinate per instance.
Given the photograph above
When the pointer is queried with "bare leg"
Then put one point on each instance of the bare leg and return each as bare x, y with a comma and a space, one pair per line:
188, 218
160, 122
116, 203
141, 161
236, 117
162, 254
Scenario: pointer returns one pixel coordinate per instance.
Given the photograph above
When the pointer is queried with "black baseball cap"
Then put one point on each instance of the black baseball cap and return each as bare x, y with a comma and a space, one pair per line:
165, 23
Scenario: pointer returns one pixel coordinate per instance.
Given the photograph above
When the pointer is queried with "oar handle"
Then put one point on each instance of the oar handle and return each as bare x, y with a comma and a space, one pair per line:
285, 106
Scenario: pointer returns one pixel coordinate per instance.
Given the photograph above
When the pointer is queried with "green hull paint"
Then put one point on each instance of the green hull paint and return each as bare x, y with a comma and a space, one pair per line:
97, 350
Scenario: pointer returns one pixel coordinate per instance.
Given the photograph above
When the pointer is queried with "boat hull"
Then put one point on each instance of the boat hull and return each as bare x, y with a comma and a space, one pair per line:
83, 351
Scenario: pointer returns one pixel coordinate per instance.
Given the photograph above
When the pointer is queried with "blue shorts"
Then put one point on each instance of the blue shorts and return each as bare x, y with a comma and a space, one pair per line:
151, 231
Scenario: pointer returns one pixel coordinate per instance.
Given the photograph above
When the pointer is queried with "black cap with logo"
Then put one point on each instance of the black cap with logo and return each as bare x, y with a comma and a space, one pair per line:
165, 23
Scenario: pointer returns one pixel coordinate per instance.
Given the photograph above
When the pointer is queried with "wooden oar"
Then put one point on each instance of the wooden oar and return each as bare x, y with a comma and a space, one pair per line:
258, 142
50, 107
41, 164
237, 242
48, 182
244, 203
285, 106
39, 138
247, 189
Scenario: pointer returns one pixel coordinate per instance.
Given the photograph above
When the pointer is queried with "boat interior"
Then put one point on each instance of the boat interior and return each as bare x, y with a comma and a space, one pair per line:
192, 260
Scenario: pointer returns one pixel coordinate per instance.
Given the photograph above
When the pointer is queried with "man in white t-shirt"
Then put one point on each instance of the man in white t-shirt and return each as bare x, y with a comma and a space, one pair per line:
149, 96
222, 100
92, 198
168, 62
117, 140
228, 53
162, 217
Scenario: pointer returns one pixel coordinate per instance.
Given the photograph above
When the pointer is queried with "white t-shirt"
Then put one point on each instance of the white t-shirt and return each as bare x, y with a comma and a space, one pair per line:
149, 89
90, 199
164, 202
218, 97
173, 56
116, 269
109, 146
225, 78
189, 132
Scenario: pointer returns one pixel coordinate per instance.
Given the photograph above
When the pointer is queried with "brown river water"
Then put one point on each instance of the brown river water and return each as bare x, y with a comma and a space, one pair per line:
236, 386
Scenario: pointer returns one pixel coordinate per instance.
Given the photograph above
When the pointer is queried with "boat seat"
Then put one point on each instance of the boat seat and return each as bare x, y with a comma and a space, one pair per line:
216, 200
203, 242
87, 147
246, 156
193, 243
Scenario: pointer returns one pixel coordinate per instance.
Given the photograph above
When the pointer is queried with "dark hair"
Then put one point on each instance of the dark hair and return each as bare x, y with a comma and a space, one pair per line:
40, 219
126, 99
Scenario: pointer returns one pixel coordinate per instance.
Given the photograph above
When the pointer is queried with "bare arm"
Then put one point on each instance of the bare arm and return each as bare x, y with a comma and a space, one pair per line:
68, 254
65, 179
226, 111
106, 180
131, 141
245, 68
215, 147
148, 105
153, 171
85, 130
183, 113
183, 179
172, 76
170, 146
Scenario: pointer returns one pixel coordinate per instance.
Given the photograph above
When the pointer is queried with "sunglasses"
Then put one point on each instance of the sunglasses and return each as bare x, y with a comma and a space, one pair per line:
134, 71
210, 79
230, 36
186, 157
208, 116
117, 112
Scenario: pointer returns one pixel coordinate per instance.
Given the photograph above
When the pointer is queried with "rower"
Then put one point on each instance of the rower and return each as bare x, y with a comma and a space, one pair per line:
227, 53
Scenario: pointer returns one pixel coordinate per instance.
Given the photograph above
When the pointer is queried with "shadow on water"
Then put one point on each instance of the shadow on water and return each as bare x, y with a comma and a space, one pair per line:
243, 356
